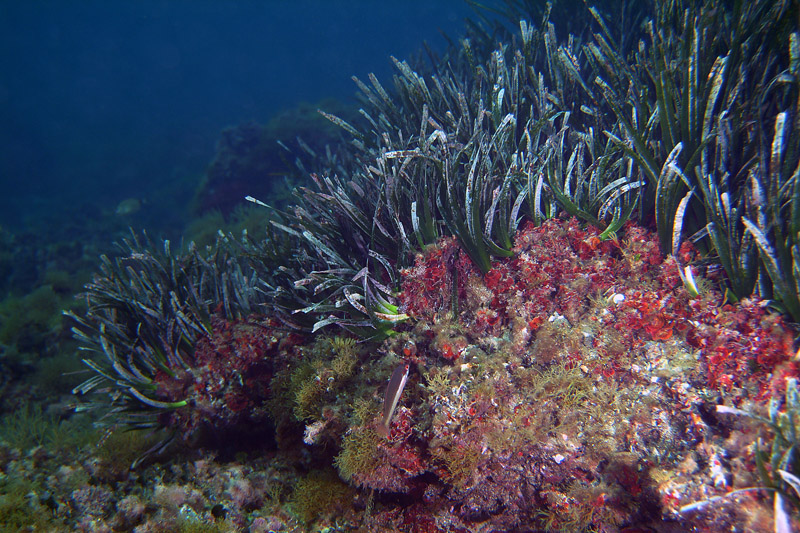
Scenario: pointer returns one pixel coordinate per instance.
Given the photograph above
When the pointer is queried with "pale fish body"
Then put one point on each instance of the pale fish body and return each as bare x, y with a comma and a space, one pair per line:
393, 391
128, 206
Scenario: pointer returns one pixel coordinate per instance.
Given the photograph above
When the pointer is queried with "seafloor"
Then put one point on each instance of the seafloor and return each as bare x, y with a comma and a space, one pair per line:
571, 388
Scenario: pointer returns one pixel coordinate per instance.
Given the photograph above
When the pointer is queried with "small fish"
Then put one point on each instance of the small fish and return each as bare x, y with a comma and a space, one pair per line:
128, 206
393, 391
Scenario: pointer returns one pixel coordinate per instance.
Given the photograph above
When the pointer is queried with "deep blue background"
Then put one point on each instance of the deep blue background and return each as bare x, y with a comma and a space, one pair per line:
102, 100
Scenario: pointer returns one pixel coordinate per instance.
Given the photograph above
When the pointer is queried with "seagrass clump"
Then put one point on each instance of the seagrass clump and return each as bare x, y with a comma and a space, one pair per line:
145, 311
469, 147
677, 114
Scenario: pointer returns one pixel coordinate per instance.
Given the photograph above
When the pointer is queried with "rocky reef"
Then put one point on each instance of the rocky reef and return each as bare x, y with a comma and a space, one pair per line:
572, 387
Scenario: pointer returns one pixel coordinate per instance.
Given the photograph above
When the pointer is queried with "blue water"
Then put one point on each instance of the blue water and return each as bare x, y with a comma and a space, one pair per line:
103, 100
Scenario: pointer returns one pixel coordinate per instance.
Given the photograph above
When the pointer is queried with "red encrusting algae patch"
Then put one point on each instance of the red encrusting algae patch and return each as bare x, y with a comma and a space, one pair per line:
588, 362
559, 268
229, 379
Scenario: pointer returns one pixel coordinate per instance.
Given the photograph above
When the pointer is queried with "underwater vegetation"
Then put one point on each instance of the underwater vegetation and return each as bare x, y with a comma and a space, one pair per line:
538, 126
39, 277
148, 312
580, 242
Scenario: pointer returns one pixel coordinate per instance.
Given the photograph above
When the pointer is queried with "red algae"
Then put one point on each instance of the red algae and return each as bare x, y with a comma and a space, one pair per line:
229, 380
592, 362
558, 268
429, 286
